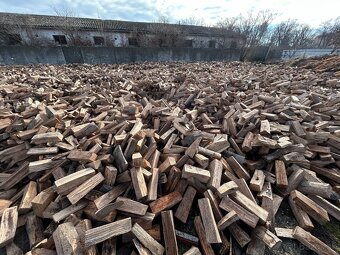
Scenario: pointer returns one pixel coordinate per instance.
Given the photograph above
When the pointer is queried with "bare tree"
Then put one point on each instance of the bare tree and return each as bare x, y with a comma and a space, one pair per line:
329, 34
253, 28
163, 34
192, 21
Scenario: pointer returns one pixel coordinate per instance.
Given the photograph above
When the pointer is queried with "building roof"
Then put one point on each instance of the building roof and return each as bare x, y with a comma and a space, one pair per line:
49, 22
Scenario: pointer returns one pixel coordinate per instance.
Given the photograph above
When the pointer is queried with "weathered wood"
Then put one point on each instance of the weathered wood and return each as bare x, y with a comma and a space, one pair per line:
215, 168
257, 181
313, 209
206, 247
51, 137
29, 193
99, 234
198, 173
247, 217
138, 182
312, 242
250, 205
266, 236
210, 226
8, 225
153, 184
169, 233
238, 168
184, 207
66, 239
239, 234
149, 242
284, 232
227, 220
85, 188
70, 182
280, 173
165, 202
131, 206
300, 215
329, 207
82, 156
61, 215
227, 188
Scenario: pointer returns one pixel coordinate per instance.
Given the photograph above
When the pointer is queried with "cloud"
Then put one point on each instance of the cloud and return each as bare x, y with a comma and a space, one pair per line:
305, 11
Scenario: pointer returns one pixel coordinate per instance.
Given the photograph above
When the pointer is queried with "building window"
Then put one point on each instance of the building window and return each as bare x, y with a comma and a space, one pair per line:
212, 44
233, 44
188, 43
14, 39
60, 39
133, 41
98, 40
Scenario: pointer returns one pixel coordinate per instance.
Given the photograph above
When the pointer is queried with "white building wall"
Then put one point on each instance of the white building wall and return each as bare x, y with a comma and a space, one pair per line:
45, 37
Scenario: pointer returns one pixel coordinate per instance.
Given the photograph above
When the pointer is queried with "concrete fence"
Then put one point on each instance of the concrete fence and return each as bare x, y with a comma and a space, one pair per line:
22, 55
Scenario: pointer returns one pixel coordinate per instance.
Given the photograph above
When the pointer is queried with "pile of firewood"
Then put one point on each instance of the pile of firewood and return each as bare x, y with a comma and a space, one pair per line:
110, 159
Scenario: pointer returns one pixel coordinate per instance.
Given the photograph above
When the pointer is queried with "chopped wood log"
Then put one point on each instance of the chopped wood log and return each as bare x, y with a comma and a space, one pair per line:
312, 242
250, 205
313, 209
257, 181
29, 194
131, 206
100, 234
227, 188
8, 226
67, 240
316, 188
149, 242
138, 182
200, 174
247, 217
300, 215
241, 237
82, 156
169, 233
84, 129
329, 207
34, 229
51, 137
153, 183
70, 182
210, 226
281, 175
85, 188
206, 247
41, 201
110, 175
184, 207
61, 215
284, 232
238, 168
165, 202
215, 168
227, 220
271, 240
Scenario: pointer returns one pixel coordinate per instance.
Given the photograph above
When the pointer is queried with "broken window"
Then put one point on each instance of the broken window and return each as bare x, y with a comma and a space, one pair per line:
188, 43
60, 39
98, 40
212, 44
133, 41
14, 39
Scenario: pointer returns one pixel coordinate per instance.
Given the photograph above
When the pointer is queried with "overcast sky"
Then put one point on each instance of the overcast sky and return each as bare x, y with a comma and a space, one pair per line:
312, 12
